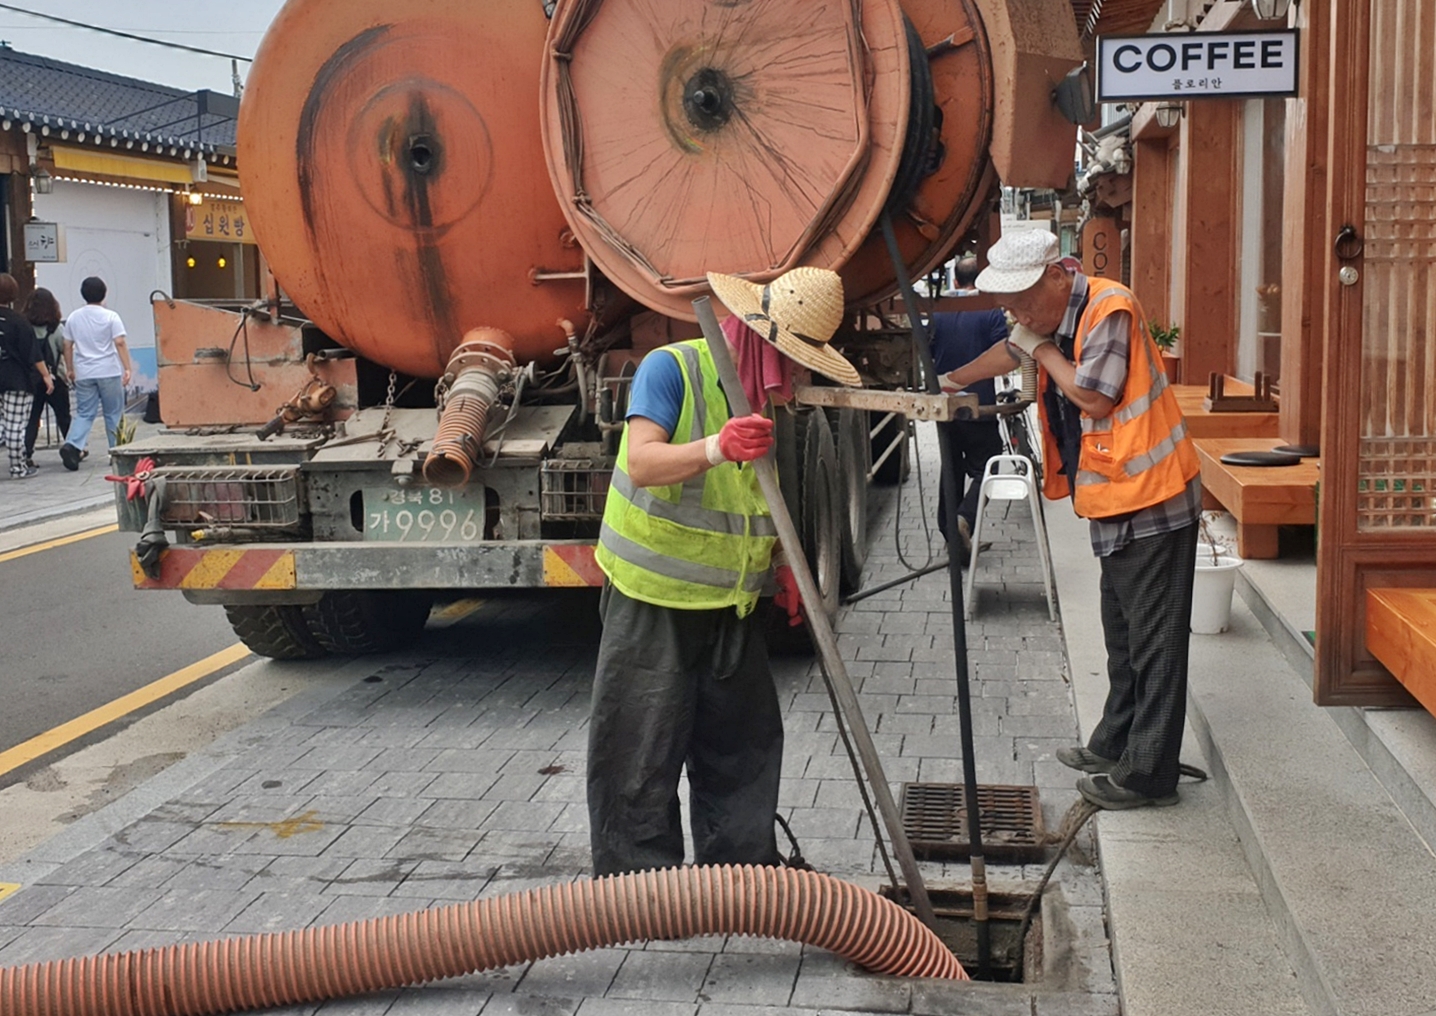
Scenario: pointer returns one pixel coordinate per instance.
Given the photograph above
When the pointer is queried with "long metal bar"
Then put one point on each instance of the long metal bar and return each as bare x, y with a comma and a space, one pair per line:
952, 495
823, 636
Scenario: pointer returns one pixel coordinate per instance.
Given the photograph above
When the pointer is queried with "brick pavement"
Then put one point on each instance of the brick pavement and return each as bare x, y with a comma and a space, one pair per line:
455, 771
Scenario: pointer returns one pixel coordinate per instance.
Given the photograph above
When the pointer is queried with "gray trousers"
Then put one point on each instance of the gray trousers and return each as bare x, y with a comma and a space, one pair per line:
1146, 621
676, 687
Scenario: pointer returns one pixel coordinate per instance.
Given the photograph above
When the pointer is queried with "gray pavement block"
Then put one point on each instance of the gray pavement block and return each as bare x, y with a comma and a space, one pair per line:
369, 877
441, 999
827, 981
287, 910
446, 880
528, 1005
523, 814
585, 975
348, 909
94, 907
397, 760
435, 844
754, 978
230, 873
829, 823
931, 997
196, 910
563, 789
407, 784
94, 867
661, 976
738, 1009
627, 1007
43, 945
516, 787
374, 1004
463, 786
454, 814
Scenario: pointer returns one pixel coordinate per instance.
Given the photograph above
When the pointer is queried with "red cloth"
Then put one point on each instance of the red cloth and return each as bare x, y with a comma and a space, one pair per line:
761, 368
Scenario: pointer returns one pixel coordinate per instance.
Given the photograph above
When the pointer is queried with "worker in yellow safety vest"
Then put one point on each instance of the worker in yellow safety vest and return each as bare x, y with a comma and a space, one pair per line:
1115, 441
687, 544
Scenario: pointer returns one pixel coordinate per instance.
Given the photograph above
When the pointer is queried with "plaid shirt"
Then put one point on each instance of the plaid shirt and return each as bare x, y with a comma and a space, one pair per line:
1104, 370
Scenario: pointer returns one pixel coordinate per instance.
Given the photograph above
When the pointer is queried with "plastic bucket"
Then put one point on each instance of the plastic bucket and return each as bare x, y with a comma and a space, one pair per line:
1212, 593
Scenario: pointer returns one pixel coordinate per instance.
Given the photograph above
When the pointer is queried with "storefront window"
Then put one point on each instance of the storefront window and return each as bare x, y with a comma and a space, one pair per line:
1259, 273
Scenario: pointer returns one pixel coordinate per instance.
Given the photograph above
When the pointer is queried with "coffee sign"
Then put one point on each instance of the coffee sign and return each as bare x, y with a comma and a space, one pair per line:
1196, 65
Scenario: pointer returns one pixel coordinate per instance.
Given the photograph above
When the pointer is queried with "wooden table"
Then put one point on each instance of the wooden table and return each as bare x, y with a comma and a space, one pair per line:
1401, 633
1260, 498
1202, 423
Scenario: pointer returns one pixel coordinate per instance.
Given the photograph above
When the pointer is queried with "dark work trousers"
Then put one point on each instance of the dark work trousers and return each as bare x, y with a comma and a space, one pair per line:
675, 687
59, 401
1146, 619
973, 442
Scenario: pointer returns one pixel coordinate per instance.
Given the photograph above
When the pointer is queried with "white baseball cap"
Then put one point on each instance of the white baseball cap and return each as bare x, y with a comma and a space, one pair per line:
1017, 260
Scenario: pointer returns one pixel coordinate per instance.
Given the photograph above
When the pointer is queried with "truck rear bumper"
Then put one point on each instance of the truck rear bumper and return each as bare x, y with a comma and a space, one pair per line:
280, 572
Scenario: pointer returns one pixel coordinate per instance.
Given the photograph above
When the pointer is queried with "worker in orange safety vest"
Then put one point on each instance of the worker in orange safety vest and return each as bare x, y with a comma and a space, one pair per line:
1115, 441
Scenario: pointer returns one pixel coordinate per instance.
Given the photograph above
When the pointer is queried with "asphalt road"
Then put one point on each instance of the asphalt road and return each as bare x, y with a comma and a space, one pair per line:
76, 635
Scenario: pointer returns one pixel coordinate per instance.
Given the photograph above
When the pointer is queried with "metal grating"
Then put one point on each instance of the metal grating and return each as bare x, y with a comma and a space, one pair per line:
221, 495
934, 816
575, 489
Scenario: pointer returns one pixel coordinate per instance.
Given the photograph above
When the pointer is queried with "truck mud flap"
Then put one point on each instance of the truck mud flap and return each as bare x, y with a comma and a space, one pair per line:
520, 564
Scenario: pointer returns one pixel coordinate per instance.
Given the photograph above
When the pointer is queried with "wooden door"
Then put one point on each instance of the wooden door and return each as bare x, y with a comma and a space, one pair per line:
1377, 522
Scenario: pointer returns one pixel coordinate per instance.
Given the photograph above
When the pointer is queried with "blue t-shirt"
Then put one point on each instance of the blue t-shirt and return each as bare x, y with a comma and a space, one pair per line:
656, 392
962, 336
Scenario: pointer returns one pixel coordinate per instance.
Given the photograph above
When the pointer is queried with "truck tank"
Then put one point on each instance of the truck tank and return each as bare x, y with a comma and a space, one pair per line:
498, 208
396, 182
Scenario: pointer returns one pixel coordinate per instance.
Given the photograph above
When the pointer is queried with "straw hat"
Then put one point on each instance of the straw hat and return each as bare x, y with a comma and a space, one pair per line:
797, 312
1017, 260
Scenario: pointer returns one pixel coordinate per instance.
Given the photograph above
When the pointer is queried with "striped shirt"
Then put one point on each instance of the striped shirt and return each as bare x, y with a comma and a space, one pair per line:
1104, 370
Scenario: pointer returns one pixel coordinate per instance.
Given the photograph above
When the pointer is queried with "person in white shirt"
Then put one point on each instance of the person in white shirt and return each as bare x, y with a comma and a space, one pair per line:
99, 365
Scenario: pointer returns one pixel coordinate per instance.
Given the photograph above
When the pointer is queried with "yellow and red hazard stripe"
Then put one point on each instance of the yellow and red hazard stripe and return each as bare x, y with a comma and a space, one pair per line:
571, 564
191, 568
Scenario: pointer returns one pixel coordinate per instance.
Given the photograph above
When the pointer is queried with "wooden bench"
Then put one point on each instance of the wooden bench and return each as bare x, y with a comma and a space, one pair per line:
1259, 498
1203, 423
1401, 633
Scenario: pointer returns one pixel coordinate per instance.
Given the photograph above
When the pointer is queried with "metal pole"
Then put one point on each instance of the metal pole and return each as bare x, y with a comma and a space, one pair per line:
953, 496
823, 636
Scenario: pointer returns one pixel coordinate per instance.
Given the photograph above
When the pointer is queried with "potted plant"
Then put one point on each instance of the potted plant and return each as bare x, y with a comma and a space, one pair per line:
1165, 336
1215, 579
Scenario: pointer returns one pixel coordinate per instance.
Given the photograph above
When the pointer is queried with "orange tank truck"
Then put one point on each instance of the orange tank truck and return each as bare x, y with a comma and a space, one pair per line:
477, 217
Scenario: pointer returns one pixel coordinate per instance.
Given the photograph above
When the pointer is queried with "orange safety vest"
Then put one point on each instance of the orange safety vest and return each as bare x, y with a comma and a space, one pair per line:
1140, 454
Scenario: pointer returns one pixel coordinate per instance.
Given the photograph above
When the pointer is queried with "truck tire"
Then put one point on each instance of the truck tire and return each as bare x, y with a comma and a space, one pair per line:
820, 498
854, 460
356, 622
277, 631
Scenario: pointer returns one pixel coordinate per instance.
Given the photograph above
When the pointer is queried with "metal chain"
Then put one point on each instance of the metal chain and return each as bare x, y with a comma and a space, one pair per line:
386, 433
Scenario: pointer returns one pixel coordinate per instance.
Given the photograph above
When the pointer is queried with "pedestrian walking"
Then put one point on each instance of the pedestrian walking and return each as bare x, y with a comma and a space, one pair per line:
98, 361
42, 310
1114, 441
687, 543
22, 370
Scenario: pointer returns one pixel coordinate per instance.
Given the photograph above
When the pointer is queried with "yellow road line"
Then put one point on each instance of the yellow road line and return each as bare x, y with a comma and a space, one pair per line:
454, 612
11, 555
6, 888
62, 735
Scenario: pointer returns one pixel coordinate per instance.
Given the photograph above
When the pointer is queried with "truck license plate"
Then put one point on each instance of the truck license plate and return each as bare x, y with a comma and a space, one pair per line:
424, 514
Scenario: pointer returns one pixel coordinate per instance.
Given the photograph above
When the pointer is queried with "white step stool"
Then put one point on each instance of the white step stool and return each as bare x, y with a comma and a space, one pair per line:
1010, 478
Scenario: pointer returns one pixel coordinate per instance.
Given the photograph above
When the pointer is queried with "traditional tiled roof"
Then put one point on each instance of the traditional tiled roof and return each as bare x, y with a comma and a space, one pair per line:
68, 97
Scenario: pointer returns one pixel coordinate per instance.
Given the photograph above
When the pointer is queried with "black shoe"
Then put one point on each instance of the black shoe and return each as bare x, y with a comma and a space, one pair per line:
30, 462
1101, 791
28, 472
70, 456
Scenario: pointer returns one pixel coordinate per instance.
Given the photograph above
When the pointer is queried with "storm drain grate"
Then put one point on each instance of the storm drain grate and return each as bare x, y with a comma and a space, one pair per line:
934, 816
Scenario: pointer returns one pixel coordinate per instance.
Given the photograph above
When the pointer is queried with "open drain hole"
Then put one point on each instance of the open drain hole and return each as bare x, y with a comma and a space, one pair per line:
958, 931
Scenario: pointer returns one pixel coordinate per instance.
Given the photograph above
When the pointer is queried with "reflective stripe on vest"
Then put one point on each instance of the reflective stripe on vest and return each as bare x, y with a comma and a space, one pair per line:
1139, 455
703, 544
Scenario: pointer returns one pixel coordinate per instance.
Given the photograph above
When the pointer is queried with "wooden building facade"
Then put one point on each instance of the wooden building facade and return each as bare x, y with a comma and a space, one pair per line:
1297, 237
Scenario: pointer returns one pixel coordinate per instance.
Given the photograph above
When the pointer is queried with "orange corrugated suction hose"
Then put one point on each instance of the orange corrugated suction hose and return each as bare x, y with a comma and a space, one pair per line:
289, 968
476, 370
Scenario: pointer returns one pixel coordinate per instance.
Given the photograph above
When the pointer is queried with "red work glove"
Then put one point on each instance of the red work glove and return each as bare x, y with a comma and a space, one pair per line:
788, 596
745, 438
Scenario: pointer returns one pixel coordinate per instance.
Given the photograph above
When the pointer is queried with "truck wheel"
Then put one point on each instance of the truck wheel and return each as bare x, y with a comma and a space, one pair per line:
820, 497
277, 631
360, 621
854, 461
894, 468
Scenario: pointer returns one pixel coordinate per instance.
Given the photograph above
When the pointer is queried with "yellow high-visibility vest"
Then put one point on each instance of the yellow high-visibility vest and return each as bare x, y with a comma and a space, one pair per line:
700, 545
